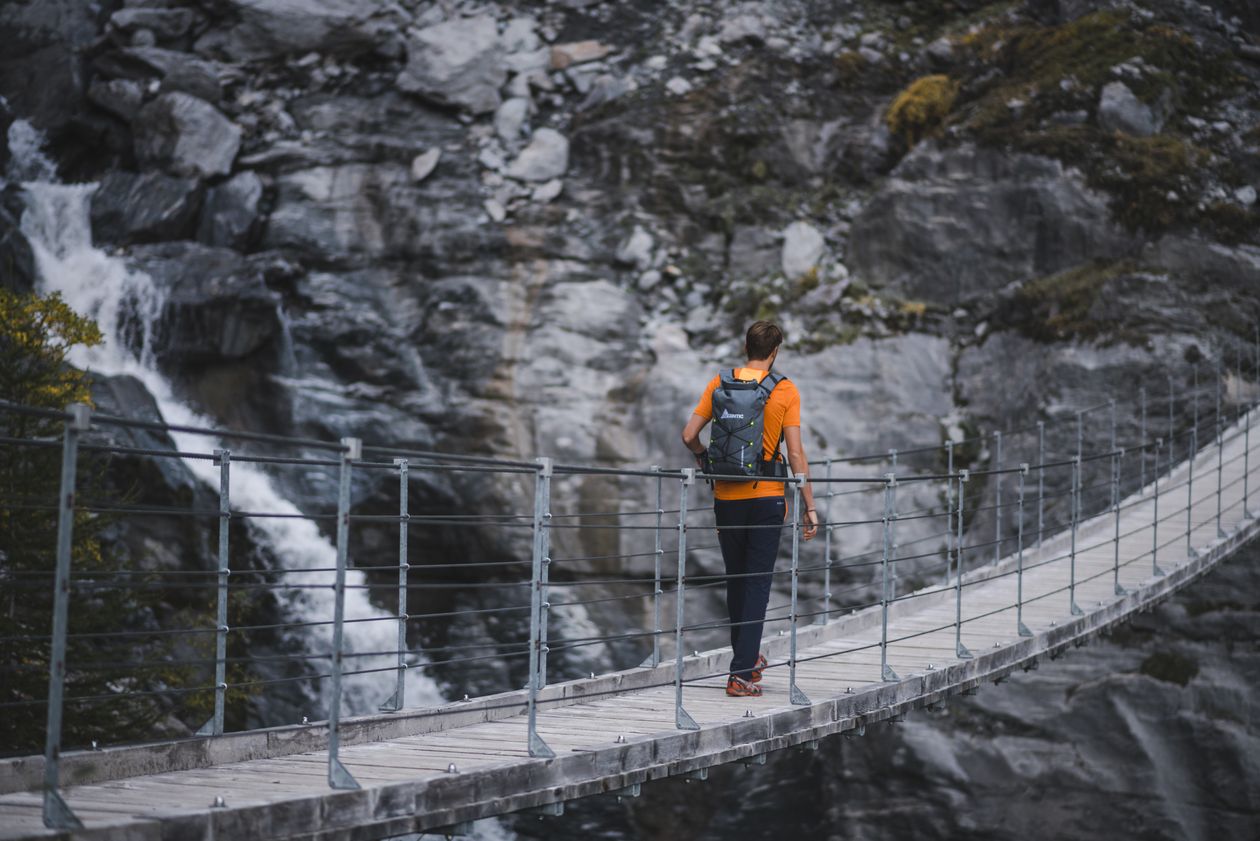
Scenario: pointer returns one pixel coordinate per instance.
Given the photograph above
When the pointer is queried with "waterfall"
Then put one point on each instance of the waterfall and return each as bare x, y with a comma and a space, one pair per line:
101, 286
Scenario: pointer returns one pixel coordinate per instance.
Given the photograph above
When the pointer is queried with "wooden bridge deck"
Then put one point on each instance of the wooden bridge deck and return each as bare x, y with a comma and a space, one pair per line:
273, 783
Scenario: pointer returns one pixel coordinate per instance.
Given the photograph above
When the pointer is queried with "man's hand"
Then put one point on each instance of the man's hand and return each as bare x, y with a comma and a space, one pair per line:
810, 521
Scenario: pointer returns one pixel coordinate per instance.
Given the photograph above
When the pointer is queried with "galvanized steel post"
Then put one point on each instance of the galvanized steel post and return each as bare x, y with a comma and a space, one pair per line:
1195, 388
949, 508
338, 776
214, 727
544, 606
682, 719
398, 699
1020, 627
1115, 504
1155, 570
1142, 441
892, 578
57, 815
1247, 515
826, 611
1076, 515
795, 695
1172, 394
1041, 481
657, 592
890, 508
1220, 453
542, 505
997, 499
960, 650
1194, 448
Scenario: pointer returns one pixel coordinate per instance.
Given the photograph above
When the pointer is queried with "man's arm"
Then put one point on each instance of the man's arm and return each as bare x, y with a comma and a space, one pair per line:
800, 466
691, 434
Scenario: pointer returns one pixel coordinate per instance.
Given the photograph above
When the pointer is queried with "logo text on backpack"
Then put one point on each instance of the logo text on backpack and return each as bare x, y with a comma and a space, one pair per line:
727, 414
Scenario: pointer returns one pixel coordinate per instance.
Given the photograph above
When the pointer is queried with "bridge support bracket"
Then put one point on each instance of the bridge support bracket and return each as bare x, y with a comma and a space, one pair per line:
961, 652
392, 705
538, 748
58, 815
339, 777
888, 675
632, 790
546, 810
1121, 591
206, 729
683, 719
797, 697
1022, 629
700, 774
1076, 609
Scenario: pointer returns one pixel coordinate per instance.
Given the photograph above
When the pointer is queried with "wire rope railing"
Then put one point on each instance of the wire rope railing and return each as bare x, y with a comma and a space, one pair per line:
1008, 495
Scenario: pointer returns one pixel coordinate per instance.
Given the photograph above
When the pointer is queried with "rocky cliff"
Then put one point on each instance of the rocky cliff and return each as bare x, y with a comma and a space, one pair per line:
535, 228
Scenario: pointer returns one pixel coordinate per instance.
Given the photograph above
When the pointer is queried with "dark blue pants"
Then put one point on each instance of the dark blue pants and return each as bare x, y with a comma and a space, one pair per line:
748, 532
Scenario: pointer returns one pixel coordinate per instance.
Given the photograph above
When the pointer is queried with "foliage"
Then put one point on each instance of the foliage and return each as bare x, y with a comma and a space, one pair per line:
1035, 89
921, 109
1062, 306
36, 334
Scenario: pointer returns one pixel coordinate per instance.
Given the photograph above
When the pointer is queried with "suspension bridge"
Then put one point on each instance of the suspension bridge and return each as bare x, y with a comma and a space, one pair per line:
1128, 525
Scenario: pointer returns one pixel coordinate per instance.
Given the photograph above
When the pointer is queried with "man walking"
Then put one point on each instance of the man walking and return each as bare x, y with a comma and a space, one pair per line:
753, 410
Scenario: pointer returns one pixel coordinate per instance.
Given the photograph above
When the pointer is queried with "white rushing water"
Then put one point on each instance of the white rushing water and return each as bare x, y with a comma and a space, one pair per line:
101, 286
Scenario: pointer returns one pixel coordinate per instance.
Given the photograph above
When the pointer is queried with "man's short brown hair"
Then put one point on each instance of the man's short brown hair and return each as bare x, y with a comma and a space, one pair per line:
763, 337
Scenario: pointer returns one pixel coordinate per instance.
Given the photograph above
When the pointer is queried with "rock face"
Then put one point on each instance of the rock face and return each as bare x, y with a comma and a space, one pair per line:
1019, 217
456, 63
216, 305
186, 136
271, 28
230, 215
144, 207
546, 157
1120, 110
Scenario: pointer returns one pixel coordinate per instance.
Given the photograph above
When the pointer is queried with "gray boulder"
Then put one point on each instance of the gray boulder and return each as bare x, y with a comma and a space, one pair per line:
230, 214
951, 224
803, 247
216, 305
1119, 109
546, 157
177, 71
17, 261
165, 24
120, 97
144, 207
457, 63
272, 28
185, 136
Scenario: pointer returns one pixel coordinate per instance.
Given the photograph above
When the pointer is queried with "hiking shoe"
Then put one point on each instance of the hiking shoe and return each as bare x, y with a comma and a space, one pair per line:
737, 687
755, 674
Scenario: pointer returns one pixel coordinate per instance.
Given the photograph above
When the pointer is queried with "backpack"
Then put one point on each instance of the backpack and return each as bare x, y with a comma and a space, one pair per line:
736, 440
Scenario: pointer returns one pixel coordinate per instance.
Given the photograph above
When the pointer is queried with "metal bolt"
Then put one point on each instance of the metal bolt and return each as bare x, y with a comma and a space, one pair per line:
997, 645
466, 699
451, 769
848, 690
931, 668
621, 739
748, 714
219, 802
695, 652
305, 720
592, 675
94, 745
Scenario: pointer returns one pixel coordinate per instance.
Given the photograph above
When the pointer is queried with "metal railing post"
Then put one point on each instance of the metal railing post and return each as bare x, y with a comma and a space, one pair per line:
544, 606
1041, 481
542, 504
1116, 455
1111, 402
1155, 570
58, 815
949, 509
1247, 515
1194, 449
1076, 516
997, 499
1142, 442
1172, 395
826, 611
657, 591
1020, 627
892, 575
214, 727
795, 695
890, 507
1080, 434
1220, 454
338, 775
398, 699
682, 719
960, 650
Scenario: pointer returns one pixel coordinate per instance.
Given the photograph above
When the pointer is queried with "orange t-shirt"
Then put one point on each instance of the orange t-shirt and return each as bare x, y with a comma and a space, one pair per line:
783, 409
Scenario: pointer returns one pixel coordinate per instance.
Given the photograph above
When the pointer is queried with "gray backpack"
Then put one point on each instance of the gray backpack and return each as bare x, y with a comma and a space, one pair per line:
736, 439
